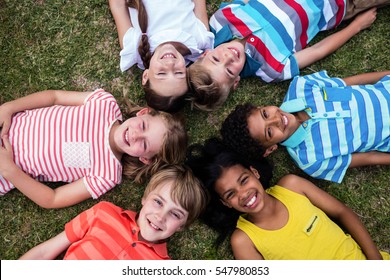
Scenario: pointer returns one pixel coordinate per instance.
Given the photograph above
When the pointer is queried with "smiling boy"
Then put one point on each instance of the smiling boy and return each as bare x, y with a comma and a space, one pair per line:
327, 124
269, 39
173, 199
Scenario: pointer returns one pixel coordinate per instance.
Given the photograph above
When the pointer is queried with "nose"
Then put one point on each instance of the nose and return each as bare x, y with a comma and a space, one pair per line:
275, 120
160, 216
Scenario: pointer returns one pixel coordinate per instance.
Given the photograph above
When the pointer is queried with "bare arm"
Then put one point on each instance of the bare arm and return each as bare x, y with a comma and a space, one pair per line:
49, 249
336, 210
243, 247
201, 12
366, 78
40, 99
41, 194
122, 19
369, 158
331, 43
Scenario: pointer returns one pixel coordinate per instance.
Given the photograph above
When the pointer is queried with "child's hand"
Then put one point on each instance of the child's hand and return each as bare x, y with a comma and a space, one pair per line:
365, 19
6, 156
5, 119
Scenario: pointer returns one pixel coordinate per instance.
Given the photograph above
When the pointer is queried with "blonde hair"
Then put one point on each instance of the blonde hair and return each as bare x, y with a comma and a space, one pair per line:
186, 189
173, 147
206, 94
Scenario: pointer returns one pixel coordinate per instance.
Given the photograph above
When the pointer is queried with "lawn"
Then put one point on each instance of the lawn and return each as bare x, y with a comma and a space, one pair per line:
73, 45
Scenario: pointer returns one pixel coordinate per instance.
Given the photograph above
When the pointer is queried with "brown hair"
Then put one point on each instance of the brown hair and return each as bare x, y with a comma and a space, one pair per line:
144, 46
173, 148
206, 94
186, 189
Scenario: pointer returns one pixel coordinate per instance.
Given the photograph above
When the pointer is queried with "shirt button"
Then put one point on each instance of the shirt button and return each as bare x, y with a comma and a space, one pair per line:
338, 114
134, 244
325, 115
304, 124
133, 231
252, 39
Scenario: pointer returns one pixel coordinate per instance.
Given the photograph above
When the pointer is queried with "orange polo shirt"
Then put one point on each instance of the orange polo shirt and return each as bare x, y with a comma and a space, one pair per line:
107, 232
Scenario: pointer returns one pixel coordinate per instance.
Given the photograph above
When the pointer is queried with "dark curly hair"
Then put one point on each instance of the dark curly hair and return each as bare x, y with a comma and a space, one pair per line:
235, 132
208, 162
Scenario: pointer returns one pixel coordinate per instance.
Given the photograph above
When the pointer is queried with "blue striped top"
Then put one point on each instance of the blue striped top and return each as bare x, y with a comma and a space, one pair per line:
343, 120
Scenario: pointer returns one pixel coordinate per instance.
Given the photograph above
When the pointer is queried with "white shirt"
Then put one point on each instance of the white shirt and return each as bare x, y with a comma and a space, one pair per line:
168, 20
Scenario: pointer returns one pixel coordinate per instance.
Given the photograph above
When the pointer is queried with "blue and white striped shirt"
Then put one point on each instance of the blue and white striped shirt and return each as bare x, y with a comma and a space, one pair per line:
343, 120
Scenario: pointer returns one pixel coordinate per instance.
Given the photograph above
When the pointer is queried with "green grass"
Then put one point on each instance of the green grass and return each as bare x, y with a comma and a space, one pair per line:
73, 45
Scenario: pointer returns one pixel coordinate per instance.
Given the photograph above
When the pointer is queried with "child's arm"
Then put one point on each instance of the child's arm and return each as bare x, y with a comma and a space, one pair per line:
49, 249
243, 247
41, 194
369, 158
200, 12
366, 78
38, 100
335, 210
122, 19
331, 43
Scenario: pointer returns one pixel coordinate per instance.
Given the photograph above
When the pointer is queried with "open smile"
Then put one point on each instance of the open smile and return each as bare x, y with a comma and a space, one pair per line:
126, 137
235, 52
168, 55
250, 201
154, 226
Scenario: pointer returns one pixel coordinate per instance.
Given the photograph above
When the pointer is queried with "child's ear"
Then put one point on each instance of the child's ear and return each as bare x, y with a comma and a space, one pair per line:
255, 172
236, 81
145, 160
270, 150
145, 77
225, 203
143, 111
204, 53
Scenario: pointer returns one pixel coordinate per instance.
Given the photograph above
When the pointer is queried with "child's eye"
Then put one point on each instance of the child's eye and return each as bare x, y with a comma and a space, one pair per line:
265, 115
176, 215
158, 202
229, 195
215, 59
143, 126
244, 180
269, 132
145, 146
229, 71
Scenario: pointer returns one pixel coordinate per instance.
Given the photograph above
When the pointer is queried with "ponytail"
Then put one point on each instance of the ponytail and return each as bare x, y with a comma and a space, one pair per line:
144, 46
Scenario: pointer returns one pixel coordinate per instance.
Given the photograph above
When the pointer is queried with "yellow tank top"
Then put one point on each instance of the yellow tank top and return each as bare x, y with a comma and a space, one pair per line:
308, 235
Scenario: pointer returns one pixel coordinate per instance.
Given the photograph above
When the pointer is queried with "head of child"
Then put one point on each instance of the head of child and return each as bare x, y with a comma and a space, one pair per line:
233, 183
215, 74
172, 201
164, 79
254, 131
152, 139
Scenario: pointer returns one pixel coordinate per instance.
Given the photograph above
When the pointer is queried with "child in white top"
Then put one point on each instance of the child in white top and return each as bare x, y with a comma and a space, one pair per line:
162, 37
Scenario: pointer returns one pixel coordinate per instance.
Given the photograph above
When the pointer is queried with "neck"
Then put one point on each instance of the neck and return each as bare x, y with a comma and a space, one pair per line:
181, 48
118, 154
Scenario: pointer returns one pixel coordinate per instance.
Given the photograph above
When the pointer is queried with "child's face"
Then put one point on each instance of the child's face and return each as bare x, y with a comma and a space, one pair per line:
141, 136
270, 125
225, 62
240, 188
160, 217
167, 71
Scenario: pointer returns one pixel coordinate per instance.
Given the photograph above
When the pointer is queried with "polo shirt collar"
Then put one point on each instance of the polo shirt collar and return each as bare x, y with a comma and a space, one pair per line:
292, 106
159, 248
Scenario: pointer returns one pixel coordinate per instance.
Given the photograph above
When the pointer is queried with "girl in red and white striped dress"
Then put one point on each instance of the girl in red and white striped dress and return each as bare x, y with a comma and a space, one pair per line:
79, 138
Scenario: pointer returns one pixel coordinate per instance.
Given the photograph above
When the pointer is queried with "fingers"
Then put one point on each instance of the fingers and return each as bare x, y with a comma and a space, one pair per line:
6, 143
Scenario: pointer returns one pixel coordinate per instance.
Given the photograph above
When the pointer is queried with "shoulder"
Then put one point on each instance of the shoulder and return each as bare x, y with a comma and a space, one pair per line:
293, 183
240, 239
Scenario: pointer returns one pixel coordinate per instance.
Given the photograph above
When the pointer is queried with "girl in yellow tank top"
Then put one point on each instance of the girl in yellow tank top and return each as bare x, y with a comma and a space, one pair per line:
292, 220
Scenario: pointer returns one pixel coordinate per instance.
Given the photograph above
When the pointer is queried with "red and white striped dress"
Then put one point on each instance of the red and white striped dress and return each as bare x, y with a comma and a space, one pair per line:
66, 143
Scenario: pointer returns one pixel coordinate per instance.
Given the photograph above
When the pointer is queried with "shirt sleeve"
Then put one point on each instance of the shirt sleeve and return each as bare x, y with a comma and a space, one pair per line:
97, 186
129, 53
331, 169
77, 228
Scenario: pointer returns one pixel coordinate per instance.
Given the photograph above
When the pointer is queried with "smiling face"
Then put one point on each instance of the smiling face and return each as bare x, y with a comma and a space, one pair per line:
240, 188
141, 136
270, 125
160, 216
167, 72
225, 63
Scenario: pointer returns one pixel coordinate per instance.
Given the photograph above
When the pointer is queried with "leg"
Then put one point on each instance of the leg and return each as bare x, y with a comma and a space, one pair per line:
357, 6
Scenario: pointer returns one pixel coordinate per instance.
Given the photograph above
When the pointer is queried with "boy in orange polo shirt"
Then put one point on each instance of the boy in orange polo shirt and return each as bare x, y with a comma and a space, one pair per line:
106, 231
